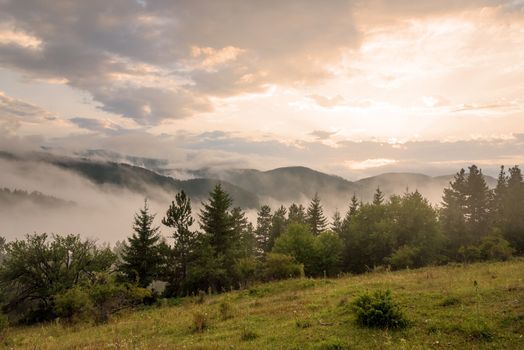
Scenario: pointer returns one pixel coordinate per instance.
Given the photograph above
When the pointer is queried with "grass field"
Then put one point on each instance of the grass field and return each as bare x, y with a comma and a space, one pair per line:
445, 309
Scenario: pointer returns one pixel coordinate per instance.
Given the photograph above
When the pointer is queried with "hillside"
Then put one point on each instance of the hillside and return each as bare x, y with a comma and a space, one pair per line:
447, 310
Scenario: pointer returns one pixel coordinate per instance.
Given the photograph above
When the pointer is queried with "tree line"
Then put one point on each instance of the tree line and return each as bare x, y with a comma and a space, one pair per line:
44, 277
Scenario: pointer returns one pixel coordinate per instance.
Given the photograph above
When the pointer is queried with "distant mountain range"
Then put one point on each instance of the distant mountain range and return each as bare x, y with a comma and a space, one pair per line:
248, 187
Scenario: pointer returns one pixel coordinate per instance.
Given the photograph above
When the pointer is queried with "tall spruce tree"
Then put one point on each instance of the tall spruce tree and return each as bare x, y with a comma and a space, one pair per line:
244, 231
378, 197
352, 210
296, 214
220, 237
478, 200
278, 224
513, 226
263, 230
141, 256
453, 212
337, 223
315, 216
179, 218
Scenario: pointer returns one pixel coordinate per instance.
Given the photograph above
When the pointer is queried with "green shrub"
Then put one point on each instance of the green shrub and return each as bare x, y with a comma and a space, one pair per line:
495, 247
332, 344
404, 257
281, 266
378, 310
73, 305
450, 301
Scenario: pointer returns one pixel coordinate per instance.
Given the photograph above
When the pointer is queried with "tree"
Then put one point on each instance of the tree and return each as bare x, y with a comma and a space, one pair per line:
223, 242
263, 230
244, 229
352, 210
298, 242
328, 251
453, 212
296, 214
278, 224
41, 266
315, 216
141, 256
478, 199
179, 218
513, 217
337, 223
378, 197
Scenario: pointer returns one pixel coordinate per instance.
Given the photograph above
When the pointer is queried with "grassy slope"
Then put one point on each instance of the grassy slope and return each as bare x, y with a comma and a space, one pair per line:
442, 303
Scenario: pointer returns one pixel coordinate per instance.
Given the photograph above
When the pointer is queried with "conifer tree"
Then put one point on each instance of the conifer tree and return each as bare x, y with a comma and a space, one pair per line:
296, 214
220, 241
244, 231
278, 224
514, 209
453, 212
179, 218
478, 199
352, 210
378, 197
263, 230
315, 216
337, 223
141, 256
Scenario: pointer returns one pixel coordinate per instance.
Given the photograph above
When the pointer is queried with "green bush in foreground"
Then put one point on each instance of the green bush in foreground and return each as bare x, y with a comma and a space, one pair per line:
379, 310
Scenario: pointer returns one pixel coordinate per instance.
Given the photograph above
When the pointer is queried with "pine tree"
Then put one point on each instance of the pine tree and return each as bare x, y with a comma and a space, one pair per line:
337, 223
315, 216
353, 208
514, 210
278, 224
378, 197
263, 230
500, 198
453, 211
179, 218
219, 240
244, 231
478, 199
141, 255
296, 214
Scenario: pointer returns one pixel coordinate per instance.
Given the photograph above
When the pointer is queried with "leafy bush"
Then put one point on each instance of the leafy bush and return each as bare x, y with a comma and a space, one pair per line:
73, 305
281, 266
404, 257
495, 247
378, 310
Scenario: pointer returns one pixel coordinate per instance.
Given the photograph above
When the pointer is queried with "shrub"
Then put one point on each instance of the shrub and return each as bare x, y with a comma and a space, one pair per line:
495, 247
378, 310
200, 322
73, 305
281, 266
332, 344
404, 257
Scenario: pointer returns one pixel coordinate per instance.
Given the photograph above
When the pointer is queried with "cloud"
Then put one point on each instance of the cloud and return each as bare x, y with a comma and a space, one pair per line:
328, 102
103, 126
322, 134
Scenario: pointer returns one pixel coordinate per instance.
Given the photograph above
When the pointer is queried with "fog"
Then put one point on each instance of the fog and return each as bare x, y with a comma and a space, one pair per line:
104, 213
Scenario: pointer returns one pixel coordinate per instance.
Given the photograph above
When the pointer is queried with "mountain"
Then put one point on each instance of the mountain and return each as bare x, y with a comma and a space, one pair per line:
138, 179
248, 187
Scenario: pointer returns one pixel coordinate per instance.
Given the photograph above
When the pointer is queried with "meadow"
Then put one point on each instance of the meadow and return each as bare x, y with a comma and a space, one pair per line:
477, 306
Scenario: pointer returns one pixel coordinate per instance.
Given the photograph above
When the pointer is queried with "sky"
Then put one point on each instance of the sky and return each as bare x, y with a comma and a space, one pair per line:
353, 88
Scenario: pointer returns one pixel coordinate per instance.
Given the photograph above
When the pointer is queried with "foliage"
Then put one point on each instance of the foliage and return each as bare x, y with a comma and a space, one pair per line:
178, 217
328, 253
298, 242
379, 310
315, 216
73, 305
36, 269
263, 230
141, 254
404, 257
495, 247
281, 266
